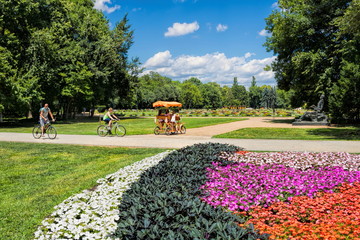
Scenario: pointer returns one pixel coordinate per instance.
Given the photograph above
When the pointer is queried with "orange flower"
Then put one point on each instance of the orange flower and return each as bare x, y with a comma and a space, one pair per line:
327, 216
241, 152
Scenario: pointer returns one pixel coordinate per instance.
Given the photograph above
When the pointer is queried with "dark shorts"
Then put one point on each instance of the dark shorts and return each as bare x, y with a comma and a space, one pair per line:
107, 120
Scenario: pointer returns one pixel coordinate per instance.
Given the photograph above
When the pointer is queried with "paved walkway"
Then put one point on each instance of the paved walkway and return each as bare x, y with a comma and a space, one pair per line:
268, 122
199, 135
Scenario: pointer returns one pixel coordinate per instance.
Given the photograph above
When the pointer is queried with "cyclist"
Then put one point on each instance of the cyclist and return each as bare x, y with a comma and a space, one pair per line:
109, 117
44, 117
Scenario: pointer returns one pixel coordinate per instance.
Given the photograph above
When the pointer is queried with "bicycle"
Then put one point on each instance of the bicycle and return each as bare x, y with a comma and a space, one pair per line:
118, 129
48, 129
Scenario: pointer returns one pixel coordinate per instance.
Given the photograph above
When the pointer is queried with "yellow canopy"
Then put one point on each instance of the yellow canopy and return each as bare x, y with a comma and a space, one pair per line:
166, 104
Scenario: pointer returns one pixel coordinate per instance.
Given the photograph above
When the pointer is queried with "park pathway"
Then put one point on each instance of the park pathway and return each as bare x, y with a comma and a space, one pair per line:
251, 122
200, 135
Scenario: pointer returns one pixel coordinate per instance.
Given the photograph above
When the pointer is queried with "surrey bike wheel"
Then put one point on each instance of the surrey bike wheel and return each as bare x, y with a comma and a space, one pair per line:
157, 130
168, 130
102, 131
36, 132
183, 129
120, 130
51, 132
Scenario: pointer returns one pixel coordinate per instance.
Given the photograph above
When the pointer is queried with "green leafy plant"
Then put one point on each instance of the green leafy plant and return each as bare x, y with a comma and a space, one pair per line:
165, 203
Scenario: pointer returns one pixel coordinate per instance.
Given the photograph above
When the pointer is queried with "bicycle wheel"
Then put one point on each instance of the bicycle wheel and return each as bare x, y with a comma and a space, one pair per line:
120, 130
168, 130
102, 131
51, 132
183, 129
157, 130
36, 132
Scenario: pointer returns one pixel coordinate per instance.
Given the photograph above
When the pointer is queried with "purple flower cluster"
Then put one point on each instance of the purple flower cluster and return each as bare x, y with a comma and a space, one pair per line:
240, 185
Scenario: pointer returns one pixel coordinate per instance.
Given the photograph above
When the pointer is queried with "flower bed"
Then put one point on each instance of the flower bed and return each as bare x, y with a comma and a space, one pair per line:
93, 214
164, 203
221, 112
207, 191
155, 198
327, 216
290, 195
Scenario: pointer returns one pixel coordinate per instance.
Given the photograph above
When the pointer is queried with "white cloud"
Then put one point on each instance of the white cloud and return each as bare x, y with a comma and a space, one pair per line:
275, 5
179, 29
264, 33
247, 55
101, 5
221, 28
160, 59
214, 67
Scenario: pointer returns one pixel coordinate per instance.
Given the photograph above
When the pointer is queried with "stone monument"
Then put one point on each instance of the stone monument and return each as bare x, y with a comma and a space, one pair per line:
316, 117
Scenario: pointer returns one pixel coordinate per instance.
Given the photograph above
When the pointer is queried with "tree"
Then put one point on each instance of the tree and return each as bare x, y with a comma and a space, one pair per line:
190, 95
64, 53
283, 98
211, 93
154, 87
239, 93
227, 96
344, 101
17, 20
254, 94
126, 71
345, 95
194, 81
304, 38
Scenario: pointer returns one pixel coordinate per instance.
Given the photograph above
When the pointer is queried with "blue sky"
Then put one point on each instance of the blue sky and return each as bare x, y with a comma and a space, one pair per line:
213, 40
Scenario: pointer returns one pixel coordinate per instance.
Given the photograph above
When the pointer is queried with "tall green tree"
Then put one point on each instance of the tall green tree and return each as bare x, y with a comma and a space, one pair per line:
344, 100
18, 18
191, 95
239, 93
254, 94
68, 55
304, 39
126, 70
154, 87
227, 96
194, 80
283, 98
64, 53
211, 93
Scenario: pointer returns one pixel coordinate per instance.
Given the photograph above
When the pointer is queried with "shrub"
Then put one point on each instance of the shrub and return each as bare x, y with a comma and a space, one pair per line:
165, 203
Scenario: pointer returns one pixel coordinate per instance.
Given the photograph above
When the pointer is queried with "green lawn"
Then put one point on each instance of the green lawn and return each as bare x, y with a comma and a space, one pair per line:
339, 133
133, 126
36, 177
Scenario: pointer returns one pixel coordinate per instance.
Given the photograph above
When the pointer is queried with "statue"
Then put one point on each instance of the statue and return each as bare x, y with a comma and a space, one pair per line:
316, 117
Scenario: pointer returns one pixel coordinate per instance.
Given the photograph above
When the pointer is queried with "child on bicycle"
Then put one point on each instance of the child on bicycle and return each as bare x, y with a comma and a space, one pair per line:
109, 117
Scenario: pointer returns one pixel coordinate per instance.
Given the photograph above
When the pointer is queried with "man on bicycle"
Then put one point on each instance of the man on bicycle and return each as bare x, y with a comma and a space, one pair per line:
44, 117
109, 117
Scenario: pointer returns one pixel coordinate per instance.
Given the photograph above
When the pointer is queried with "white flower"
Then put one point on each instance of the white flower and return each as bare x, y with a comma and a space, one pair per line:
93, 214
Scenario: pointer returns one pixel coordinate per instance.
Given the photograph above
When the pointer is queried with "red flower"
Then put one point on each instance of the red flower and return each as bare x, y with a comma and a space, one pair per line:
241, 152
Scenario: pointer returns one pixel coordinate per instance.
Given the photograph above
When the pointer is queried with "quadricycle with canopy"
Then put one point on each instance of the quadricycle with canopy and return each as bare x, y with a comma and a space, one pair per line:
168, 119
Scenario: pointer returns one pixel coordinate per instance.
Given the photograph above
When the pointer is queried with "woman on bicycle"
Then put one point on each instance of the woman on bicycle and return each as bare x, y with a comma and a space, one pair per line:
109, 117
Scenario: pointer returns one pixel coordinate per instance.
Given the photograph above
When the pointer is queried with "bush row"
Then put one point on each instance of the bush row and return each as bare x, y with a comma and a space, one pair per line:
165, 203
